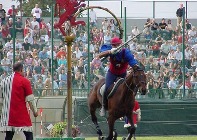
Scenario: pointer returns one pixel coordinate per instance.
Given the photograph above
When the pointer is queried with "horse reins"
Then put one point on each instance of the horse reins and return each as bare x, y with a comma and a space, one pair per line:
136, 86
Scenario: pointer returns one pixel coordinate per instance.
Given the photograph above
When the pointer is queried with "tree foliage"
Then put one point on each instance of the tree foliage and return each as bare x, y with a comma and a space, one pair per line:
44, 5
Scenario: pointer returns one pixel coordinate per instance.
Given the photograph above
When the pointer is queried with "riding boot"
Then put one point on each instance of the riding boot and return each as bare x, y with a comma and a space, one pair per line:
103, 111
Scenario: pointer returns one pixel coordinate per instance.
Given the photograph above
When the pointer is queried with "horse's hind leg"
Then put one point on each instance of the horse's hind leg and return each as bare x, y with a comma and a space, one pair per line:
94, 120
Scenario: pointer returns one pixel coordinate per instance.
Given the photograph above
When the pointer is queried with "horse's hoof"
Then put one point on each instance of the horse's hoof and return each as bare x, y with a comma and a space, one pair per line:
100, 138
115, 134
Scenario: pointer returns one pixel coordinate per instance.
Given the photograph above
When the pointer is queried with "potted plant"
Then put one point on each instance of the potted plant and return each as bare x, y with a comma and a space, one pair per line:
60, 129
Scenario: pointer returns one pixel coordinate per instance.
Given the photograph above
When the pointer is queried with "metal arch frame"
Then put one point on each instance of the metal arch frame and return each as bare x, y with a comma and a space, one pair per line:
107, 10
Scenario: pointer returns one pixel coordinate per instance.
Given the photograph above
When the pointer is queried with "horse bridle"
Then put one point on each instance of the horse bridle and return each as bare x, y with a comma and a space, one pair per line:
136, 86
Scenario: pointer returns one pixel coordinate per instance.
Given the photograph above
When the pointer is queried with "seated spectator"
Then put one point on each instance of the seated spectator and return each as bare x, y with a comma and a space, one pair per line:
188, 25
159, 40
62, 79
77, 52
107, 38
194, 63
188, 57
133, 46
148, 37
7, 46
173, 46
161, 61
5, 33
162, 24
154, 28
36, 45
26, 46
42, 23
37, 68
147, 25
34, 53
43, 56
156, 50
151, 88
6, 64
96, 64
10, 26
82, 38
171, 59
10, 55
150, 65
27, 22
178, 55
18, 45
62, 60
36, 32
80, 79
170, 29
11, 12
172, 85
35, 23
44, 34
47, 87
4, 74
135, 31
81, 45
27, 30
159, 87
19, 26
29, 38
60, 68
165, 48
192, 33
49, 28
38, 86
61, 52
49, 52
105, 23
180, 91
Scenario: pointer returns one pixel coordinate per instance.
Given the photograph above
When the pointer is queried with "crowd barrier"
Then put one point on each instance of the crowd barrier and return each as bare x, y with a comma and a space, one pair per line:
163, 93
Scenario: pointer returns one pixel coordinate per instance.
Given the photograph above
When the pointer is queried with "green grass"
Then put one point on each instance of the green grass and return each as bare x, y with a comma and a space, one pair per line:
156, 138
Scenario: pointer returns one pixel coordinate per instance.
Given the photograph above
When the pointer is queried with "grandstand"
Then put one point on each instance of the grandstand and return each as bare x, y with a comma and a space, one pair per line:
159, 51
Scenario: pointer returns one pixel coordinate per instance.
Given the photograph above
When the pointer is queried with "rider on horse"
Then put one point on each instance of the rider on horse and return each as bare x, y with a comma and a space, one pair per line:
119, 61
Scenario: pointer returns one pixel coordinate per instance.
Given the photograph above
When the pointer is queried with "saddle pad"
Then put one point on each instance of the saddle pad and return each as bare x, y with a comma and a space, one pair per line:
116, 84
102, 89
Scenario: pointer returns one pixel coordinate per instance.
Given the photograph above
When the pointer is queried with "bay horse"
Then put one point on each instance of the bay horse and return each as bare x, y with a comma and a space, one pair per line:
120, 104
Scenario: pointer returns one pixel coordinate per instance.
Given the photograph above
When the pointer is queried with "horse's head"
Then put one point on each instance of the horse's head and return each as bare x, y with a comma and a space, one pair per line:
137, 79
140, 81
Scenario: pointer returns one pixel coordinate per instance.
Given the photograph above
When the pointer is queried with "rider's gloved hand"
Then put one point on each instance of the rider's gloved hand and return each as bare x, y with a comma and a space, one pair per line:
113, 50
135, 67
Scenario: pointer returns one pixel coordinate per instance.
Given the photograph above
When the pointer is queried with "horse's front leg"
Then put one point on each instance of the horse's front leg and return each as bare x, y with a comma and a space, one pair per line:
111, 121
94, 120
132, 127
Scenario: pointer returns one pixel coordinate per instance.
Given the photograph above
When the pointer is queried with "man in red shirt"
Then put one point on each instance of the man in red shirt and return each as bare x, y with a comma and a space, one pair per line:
5, 33
10, 11
15, 92
61, 52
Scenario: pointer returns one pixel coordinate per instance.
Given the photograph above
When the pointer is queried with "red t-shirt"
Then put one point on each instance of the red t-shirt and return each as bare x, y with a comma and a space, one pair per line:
18, 115
11, 13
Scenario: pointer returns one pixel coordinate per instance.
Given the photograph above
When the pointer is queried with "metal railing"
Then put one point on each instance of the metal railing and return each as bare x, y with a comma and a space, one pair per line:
164, 93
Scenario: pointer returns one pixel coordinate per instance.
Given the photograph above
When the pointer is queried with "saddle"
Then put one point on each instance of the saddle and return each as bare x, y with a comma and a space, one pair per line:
112, 88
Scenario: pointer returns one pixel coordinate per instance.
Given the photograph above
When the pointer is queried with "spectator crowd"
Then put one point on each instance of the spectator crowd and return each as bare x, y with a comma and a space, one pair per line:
158, 51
